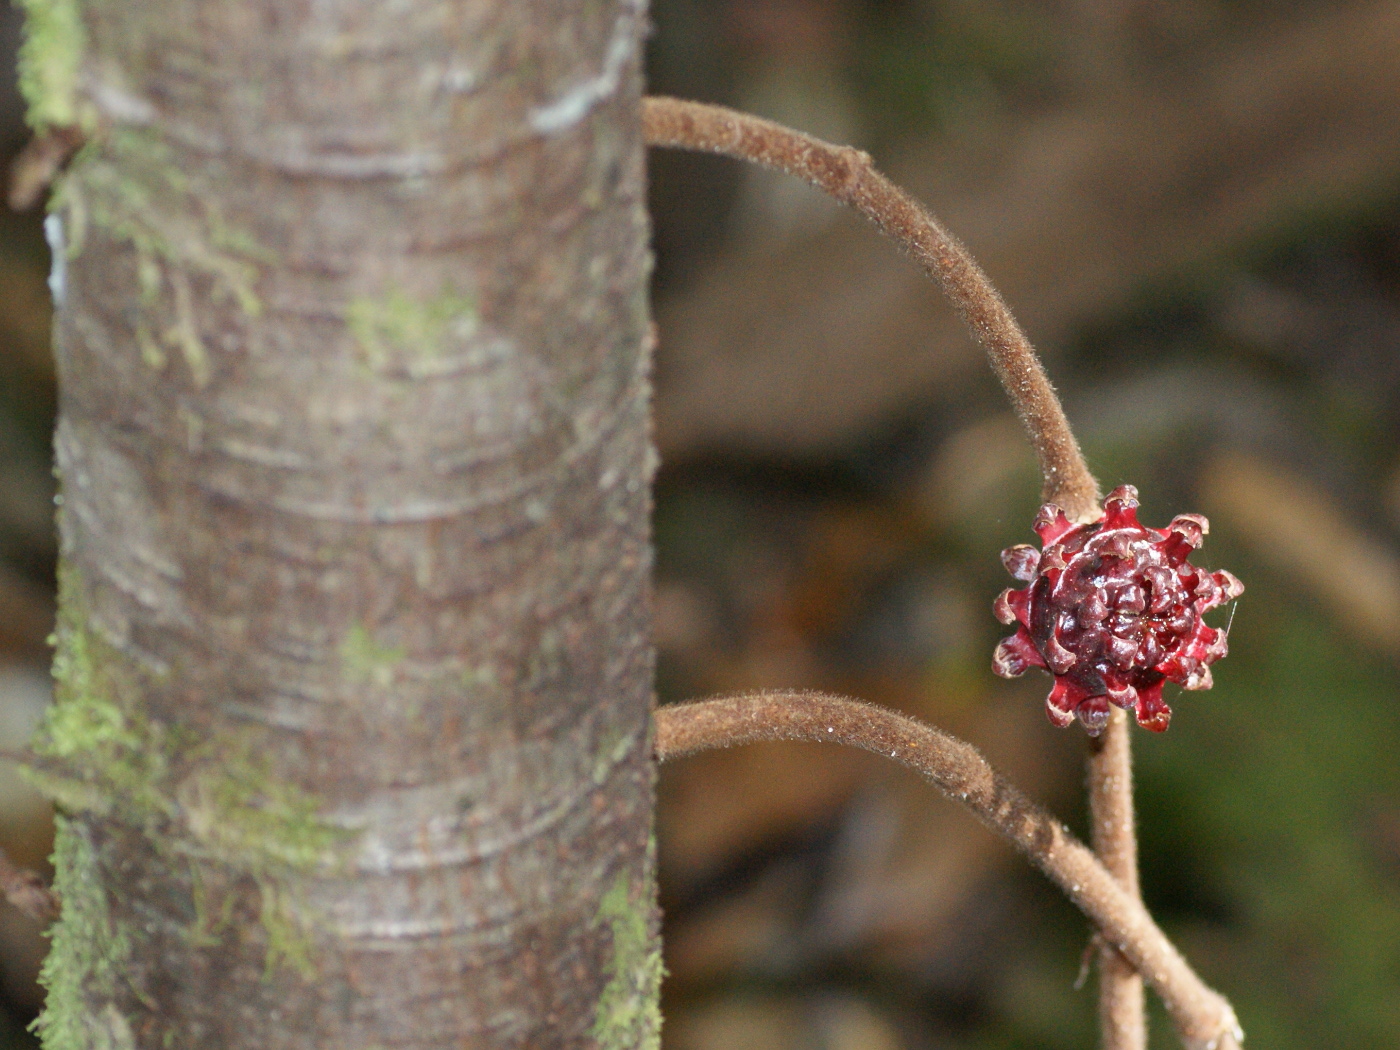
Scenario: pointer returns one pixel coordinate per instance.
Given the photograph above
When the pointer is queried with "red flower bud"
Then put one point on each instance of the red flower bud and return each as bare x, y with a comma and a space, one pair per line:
1112, 610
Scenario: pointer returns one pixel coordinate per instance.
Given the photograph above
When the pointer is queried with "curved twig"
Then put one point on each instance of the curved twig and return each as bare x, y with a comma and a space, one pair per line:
1204, 1019
849, 175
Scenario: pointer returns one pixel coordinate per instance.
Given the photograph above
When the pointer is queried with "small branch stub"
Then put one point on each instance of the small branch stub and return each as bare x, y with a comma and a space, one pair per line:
28, 891
39, 163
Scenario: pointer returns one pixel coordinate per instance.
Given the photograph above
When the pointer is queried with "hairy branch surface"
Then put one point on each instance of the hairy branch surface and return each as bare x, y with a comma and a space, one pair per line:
1203, 1018
849, 176
1122, 1018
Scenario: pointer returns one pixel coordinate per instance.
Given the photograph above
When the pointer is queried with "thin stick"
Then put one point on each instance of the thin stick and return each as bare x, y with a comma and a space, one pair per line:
1204, 1019
1122, 1017
849, 175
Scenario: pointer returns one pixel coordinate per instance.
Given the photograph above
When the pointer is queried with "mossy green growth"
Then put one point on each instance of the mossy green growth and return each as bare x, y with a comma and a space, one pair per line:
88, 955
126, 183
49, 57
243, 817
115, 762
100, 757
248, 823
84, 719
628, 1014
203, 801
397, 330
363, 658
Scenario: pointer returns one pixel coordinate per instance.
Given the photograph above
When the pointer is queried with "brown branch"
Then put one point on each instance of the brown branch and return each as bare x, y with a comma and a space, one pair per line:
1204, 1019
849, 175
27, 891
1122, 1018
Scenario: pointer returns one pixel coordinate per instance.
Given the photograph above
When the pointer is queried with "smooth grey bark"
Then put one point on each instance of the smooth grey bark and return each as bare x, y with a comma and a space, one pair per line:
354, 670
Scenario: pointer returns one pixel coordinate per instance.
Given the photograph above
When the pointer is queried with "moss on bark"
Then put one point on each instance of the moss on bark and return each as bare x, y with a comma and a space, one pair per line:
89, 952
202, 802
399, 331
49, 59
125, 183
366, 659
628, 1015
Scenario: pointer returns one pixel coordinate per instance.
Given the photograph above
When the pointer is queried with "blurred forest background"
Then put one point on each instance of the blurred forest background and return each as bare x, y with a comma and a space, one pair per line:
1194, 209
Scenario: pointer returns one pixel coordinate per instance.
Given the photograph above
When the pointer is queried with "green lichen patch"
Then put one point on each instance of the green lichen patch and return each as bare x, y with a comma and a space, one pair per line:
49, 58
88, 955
126, 183
363, 658
628, 1014
399, 331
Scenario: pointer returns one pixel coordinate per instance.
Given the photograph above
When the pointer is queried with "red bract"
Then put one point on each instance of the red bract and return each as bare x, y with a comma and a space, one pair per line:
1113, 610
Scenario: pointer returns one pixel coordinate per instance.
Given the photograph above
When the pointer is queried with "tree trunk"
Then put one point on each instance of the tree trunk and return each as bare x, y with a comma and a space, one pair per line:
354, 671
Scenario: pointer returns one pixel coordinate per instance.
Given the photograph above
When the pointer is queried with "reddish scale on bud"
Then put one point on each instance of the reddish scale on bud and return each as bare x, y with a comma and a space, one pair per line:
1113, 610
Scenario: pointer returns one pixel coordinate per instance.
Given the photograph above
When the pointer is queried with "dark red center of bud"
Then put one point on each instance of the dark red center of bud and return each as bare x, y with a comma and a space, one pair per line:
1112, 609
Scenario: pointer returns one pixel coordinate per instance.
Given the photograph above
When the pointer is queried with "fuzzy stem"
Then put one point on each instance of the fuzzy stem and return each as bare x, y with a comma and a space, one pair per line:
1122, 1019
1204, 1019
850, 177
